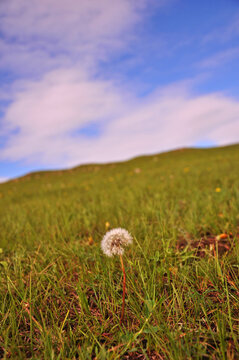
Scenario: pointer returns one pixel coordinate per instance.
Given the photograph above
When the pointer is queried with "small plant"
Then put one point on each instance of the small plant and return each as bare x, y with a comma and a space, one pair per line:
113, 243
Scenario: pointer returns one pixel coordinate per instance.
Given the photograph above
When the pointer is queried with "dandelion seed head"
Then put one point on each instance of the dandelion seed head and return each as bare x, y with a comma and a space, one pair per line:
115, 240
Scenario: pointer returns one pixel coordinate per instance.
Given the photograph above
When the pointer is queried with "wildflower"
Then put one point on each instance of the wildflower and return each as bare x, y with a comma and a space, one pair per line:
90, 240
218, 189
221, 236
107, 225
113, 243
173, 270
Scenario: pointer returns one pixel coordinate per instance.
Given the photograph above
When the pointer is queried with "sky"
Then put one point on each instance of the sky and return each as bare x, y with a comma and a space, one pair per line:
85, 81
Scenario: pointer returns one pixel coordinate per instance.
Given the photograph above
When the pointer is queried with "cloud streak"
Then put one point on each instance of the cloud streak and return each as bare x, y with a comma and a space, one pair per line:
224, 34
220, 58
56, 33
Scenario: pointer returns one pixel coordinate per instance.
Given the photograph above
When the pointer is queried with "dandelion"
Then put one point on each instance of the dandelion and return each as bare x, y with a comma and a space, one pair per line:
115, 240
218, 189
113, 243
107, 225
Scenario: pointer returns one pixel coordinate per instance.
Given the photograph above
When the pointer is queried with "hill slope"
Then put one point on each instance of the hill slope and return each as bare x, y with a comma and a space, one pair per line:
60, 295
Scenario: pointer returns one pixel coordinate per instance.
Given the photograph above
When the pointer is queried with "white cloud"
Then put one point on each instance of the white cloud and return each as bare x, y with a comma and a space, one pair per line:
68, 20
20, 59
54, 33
45, 116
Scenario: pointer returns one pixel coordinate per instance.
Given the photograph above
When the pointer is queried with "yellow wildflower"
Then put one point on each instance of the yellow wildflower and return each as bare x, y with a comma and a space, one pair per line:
90, 240
218, 189
221, 236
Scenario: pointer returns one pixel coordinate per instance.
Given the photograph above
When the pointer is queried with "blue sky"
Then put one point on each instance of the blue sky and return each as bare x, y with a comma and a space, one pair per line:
105, 81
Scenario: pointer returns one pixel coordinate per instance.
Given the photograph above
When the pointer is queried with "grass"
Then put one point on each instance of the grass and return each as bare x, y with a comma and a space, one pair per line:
61, 297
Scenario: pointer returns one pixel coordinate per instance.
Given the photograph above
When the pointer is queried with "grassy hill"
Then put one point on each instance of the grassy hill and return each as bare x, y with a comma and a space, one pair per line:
61, 296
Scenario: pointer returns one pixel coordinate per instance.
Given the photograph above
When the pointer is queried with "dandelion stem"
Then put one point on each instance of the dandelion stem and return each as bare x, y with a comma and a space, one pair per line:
124, 282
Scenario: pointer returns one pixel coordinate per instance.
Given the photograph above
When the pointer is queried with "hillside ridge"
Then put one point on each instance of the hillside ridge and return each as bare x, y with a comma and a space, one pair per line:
107, 164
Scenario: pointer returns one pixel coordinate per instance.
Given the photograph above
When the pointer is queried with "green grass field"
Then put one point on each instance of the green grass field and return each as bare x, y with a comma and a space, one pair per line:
61, 296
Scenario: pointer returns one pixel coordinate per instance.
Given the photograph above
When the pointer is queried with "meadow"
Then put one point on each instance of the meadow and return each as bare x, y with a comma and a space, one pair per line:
60, 296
